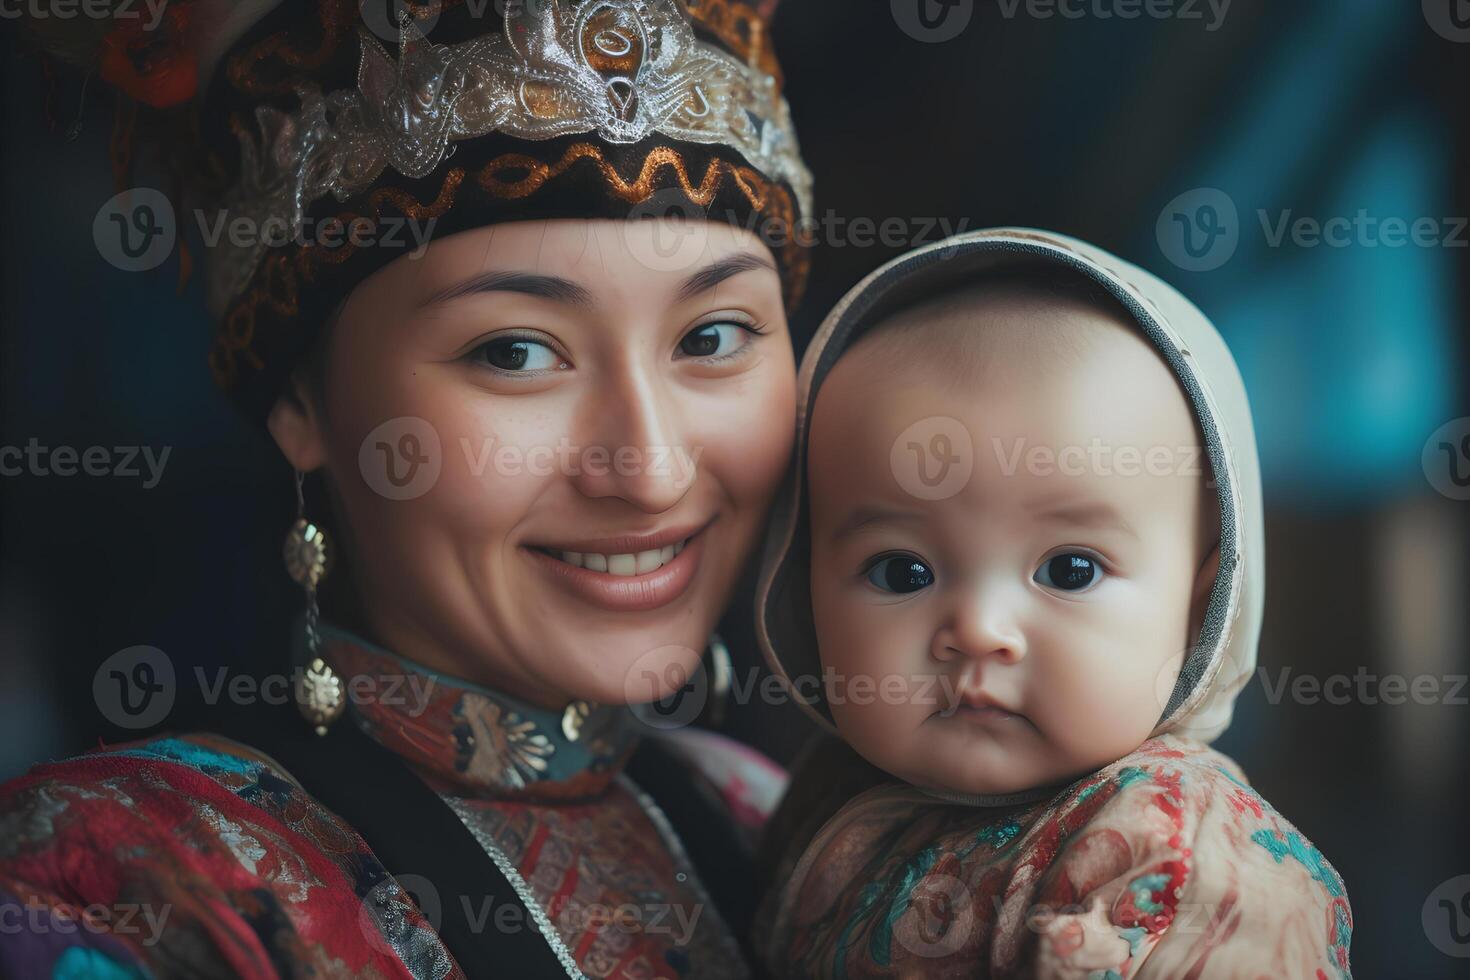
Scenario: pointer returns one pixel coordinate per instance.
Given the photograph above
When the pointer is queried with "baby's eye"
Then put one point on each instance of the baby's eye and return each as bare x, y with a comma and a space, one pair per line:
901, 574
1070, 571
517, 354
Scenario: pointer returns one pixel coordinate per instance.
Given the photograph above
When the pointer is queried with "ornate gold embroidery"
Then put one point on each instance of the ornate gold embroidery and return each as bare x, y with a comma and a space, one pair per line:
405, 203
632, 192
276, 284
741, 28
336, 17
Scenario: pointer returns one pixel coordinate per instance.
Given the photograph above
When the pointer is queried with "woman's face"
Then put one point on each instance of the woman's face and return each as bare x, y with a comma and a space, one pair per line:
554, 444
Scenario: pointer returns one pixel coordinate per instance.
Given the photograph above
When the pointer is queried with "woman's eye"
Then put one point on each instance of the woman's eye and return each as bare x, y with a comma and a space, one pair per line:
518, 354
715, 339
1069, 572
901, 574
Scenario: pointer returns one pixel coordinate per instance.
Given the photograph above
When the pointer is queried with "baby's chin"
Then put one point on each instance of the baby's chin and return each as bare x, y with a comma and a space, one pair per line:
970, 763
969, 783
997, 770
979, 771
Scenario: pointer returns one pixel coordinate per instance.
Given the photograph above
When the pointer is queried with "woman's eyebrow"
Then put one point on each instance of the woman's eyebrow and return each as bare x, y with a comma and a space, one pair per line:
719, 270
554, 288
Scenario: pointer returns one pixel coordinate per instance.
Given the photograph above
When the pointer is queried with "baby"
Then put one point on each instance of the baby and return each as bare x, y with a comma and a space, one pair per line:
1023, 586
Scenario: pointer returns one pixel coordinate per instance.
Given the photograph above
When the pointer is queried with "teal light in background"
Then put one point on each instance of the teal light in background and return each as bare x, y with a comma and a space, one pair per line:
1347, 352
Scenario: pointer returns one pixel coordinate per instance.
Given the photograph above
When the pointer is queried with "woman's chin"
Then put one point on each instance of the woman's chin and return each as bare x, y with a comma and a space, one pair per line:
629, 672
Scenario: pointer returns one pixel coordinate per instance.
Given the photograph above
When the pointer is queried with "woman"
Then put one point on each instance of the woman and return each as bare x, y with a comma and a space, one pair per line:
531, 461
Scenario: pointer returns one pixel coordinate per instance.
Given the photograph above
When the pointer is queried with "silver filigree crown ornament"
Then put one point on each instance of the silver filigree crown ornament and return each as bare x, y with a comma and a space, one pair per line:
533, 81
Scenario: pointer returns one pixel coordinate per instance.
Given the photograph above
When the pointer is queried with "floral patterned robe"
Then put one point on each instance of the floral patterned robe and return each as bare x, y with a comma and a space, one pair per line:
1165, 865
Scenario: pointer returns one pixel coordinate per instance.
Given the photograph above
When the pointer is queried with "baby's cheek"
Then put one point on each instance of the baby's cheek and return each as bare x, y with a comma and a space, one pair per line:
1098, 707
875, 678
878, 731
863, 666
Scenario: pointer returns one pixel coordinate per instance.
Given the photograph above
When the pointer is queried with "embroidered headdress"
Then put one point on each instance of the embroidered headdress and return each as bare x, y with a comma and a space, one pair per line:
485, 112
340, 140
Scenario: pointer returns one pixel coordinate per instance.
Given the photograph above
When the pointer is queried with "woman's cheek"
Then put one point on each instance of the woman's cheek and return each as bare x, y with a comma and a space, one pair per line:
498, 464
744, 436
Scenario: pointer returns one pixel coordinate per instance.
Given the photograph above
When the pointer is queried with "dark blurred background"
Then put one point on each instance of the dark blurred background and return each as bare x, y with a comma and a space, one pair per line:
1354, 352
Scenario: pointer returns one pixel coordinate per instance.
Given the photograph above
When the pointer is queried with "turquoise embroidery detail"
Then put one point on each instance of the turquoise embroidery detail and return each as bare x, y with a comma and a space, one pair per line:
1144, 888
1134, 937
1132, 774
79, 963
189, 754
1226, 773
1295, 846
997, 835
1126, 777
866, 900
881, 947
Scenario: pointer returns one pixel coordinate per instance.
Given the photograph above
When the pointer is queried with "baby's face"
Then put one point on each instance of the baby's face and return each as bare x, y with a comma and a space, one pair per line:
1030, 625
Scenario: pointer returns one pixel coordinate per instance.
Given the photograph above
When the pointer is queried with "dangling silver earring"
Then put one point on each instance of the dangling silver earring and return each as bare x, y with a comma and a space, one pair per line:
319, 691
721, 672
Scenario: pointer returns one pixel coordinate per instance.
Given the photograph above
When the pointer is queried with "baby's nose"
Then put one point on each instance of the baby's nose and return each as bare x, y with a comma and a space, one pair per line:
981, 631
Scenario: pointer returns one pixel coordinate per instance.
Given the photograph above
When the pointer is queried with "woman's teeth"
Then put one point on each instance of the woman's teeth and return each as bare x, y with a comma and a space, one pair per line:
639, 563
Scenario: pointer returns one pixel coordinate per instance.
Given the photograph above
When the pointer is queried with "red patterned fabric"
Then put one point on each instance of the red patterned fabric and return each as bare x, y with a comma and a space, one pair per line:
195, 856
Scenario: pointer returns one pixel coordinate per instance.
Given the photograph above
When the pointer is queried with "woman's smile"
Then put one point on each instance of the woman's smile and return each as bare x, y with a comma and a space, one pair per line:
550, 582
633, 573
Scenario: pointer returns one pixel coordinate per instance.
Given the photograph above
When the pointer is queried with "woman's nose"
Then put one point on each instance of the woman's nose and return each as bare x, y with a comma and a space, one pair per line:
635, 447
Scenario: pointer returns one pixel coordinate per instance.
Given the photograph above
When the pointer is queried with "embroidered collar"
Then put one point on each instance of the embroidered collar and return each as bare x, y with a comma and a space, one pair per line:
993, 800
474, 738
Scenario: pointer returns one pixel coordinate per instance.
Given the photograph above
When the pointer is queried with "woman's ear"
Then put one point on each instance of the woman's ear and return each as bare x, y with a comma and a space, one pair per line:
295, 424
1204, 584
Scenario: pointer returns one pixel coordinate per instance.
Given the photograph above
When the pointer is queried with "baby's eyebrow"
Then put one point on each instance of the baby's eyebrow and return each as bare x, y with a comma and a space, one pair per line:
864, 516
1086, 513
